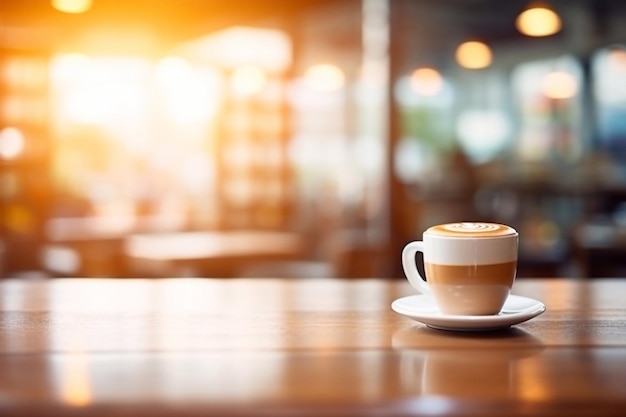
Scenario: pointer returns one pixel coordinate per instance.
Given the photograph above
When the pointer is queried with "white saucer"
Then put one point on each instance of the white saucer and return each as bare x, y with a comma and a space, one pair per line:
422, 307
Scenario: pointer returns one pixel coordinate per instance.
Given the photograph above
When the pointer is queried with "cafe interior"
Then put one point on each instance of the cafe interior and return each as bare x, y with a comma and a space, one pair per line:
309, 138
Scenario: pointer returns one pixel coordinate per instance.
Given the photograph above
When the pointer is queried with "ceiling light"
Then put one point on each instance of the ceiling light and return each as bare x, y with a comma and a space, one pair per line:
538, 21
71, 6
473, 55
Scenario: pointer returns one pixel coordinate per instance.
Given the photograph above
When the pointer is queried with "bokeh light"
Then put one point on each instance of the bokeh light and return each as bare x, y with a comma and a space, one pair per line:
617, 59
474, 55
538, 22
11, 143
72, 6
248, 80
324, 78
559, 85
426, 81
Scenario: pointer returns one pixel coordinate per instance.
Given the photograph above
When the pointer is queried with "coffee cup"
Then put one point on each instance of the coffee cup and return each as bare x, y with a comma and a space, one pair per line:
470, 267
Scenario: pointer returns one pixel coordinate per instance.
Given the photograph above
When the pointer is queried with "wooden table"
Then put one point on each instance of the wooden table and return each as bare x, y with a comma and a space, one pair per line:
269, 347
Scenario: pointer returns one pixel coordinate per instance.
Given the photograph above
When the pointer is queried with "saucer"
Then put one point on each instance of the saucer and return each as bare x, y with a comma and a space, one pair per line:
422, 307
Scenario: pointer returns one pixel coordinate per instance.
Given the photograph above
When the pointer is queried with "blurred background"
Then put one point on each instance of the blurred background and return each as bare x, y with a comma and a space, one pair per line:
307, 138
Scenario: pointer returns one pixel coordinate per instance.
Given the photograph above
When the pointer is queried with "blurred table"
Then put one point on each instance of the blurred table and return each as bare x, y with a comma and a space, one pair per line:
203, 347
209, 254
94, 245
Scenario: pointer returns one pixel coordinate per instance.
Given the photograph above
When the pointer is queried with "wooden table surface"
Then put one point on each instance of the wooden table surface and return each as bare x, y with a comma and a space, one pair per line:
270, 347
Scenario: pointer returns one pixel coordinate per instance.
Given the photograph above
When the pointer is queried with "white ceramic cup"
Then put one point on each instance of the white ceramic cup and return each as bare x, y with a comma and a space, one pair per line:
470, 267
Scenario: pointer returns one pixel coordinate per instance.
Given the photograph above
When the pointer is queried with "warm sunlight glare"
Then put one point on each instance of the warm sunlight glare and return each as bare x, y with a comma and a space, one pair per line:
11, 143
99, 90
71, 6
70, 66
324, 78
426, 81
237, 46
171, 71
191, 95
473, 55
248, 80
69, 72
538, 21
559, 85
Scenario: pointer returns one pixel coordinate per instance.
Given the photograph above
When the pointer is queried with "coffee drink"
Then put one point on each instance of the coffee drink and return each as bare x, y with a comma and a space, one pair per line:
472, 230
470, 267
485, 287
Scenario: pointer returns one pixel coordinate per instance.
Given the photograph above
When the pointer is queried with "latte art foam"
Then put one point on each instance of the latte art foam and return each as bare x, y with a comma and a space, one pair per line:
472, 230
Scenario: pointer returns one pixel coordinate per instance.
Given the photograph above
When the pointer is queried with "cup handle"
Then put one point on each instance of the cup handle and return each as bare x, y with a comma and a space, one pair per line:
410, 268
